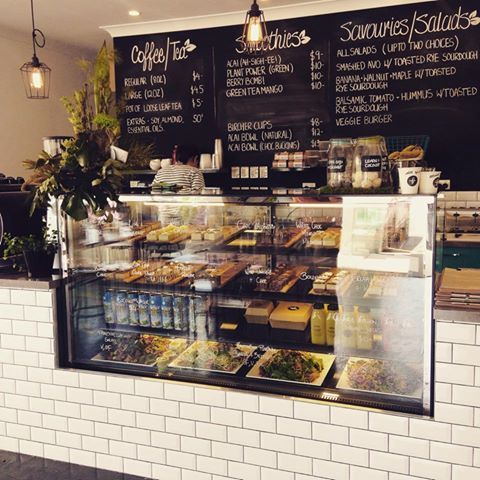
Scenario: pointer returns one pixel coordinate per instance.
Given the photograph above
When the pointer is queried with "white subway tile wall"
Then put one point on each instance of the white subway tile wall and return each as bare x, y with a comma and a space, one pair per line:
173, 431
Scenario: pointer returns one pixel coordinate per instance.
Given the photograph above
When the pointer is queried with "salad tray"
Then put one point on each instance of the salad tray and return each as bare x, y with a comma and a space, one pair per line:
281, 363
381, 376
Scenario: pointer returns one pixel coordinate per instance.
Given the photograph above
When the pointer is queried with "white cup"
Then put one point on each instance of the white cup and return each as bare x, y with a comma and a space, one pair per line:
155, 164
166, 162
429, 182
408, 179
205, 161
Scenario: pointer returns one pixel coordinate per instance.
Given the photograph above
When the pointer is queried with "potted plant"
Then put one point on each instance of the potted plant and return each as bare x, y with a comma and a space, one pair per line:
38, 251
83, 176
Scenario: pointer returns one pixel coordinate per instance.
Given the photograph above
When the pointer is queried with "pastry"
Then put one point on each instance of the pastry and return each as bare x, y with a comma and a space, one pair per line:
410, 152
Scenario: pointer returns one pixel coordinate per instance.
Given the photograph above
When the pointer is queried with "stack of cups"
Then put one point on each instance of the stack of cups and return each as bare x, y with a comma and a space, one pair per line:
413, 180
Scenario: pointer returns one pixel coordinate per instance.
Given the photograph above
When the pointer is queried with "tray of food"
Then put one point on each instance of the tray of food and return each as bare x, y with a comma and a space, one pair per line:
381, 376
212, 356
331, 282
281, 280
293, 366
329, 238
217, 276
144, 350
172, 273
170, 234
214, 234
135, 272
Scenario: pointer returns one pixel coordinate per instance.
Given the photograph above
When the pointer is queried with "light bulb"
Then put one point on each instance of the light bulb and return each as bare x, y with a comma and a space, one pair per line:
36, 79
254, 32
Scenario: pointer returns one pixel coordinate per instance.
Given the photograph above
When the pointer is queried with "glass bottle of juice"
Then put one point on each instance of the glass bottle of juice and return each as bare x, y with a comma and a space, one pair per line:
318, 325
348, 328
364, 329
332, 317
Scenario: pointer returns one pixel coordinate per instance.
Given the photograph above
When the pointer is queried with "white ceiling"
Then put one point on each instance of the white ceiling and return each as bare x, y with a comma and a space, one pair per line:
76, 22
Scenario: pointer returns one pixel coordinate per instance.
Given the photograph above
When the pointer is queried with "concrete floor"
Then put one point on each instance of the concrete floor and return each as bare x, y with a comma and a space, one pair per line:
14, 466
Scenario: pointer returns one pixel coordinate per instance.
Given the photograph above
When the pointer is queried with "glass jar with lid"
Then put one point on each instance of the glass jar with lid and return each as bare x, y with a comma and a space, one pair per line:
340, 161
367, 164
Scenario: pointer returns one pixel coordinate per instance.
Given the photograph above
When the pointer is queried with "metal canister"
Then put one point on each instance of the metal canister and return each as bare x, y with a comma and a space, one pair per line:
156, 310
132, 301
109, 305
167, 312
144, 309
121, 307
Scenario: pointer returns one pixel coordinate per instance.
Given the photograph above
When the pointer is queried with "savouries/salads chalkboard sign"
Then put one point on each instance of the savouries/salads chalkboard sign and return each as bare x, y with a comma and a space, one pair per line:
394, 71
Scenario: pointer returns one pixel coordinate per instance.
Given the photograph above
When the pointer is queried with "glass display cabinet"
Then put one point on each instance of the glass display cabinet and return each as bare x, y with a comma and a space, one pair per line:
323, 297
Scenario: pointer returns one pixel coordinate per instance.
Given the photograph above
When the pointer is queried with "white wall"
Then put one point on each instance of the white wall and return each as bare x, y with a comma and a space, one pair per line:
24, 122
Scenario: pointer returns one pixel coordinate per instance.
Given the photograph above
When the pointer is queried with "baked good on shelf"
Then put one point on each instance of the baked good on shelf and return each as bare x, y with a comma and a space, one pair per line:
167, 234
326, 238
320, 282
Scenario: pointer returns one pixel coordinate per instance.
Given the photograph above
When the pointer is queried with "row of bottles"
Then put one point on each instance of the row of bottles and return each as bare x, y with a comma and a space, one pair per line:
349, 329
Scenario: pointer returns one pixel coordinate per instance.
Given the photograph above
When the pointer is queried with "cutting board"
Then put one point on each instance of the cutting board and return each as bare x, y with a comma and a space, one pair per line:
465, 280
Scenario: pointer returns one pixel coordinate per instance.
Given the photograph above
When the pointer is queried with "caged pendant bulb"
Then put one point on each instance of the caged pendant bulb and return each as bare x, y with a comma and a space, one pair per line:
255, 34
254, 31
37, 79
36, 75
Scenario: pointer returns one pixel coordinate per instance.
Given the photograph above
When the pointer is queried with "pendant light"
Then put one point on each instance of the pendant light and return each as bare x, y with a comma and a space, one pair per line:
255, 29
35, 74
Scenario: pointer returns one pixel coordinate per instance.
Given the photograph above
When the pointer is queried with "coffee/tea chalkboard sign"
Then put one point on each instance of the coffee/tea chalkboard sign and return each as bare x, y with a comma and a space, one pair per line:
167, 85
407, 70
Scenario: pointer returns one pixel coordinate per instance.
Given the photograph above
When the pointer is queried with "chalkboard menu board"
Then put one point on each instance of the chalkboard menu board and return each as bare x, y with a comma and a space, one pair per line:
275, 100
166, 82
395, 71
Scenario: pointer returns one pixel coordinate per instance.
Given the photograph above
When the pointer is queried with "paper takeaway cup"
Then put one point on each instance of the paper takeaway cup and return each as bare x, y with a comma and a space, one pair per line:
429, 182
408, 179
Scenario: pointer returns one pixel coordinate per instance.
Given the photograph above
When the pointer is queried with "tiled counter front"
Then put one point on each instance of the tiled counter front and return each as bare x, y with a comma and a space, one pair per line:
175, 431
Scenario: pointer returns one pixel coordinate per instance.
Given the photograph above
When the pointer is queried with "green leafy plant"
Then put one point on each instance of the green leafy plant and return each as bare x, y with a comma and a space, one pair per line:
84, 175
14, 246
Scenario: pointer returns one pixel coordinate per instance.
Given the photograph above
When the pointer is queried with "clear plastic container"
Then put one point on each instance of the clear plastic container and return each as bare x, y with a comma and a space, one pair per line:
367, 164
340, 160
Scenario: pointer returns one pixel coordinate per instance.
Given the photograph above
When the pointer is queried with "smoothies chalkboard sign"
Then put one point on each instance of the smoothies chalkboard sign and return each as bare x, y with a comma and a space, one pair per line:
406, 70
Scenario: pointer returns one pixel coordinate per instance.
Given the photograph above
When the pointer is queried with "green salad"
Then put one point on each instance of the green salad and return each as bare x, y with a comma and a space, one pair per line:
292, 365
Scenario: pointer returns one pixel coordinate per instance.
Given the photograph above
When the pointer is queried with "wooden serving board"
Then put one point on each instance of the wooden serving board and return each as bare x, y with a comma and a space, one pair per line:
464, 280
195, 268
231, 272
295, 238
179, 278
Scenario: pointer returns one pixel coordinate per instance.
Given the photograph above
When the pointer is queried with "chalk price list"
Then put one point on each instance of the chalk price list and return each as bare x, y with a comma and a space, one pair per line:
373, 81
248, 78
153, 104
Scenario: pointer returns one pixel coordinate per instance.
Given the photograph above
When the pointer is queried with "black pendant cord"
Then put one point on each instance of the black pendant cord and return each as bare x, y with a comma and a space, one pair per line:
37, 42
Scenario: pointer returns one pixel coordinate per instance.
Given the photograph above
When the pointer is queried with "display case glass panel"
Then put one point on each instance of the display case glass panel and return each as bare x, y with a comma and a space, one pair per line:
323, 297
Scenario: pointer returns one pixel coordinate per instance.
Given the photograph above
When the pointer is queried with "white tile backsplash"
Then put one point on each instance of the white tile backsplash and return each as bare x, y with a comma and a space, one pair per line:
179, 431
